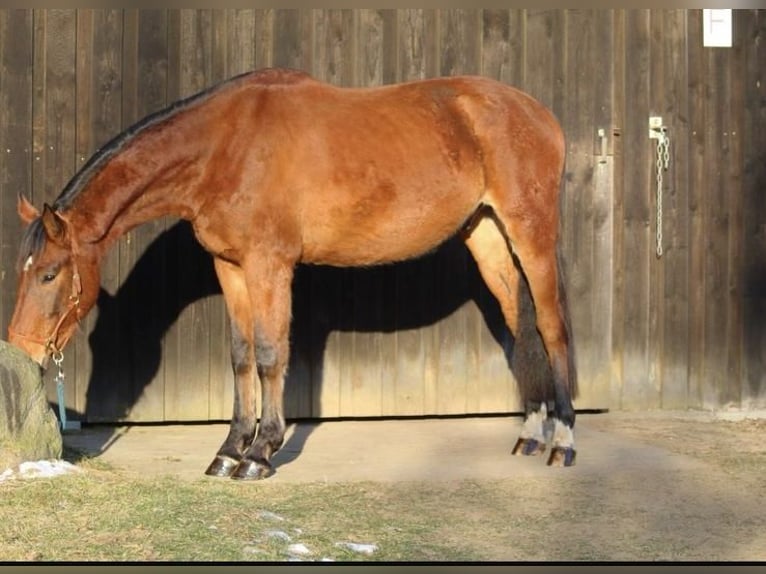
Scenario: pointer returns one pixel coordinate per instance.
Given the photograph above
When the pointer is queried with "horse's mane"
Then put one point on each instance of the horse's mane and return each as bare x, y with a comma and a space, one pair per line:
33, 239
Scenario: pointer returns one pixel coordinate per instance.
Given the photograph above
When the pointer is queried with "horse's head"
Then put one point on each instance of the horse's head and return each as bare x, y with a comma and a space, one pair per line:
58, 283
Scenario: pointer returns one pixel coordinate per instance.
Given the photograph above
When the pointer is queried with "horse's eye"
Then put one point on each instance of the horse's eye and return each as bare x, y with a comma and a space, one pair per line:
48, 277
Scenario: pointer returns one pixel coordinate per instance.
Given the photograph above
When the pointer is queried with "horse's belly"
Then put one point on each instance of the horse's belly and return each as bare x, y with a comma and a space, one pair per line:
397, 236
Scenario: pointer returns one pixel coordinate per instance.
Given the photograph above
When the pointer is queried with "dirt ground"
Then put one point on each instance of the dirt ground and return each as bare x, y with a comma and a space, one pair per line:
668, 486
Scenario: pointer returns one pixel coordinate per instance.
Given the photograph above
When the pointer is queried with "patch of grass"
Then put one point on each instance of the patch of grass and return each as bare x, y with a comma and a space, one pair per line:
101, 515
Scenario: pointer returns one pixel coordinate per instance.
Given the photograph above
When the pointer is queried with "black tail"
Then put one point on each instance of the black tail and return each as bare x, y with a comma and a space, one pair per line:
572, 364
529, 360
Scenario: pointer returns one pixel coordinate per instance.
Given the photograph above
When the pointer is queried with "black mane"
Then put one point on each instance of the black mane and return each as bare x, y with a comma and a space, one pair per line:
33, 239
118, 143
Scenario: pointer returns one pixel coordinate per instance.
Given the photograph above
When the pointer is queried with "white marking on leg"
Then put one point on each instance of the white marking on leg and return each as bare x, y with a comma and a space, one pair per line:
533, 425
563, 435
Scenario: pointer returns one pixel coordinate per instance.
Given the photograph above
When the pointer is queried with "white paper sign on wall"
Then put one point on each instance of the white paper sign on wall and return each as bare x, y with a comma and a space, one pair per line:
716, 26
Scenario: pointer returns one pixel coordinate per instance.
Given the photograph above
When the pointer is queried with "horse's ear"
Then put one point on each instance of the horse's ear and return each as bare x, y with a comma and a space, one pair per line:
27, 211
54, 225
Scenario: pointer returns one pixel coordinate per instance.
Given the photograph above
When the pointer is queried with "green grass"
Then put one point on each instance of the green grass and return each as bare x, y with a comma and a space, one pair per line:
101, 515
106, 514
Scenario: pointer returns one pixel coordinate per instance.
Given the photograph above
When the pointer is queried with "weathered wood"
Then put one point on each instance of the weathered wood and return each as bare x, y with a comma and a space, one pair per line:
637, 214
293, 39
618, 213
577, 202
683, 331
656, 276
189, 268
55, 129
100, 42
716, 217
731, 386
697, 185
417, 356
459, 43
497, 388
751, 28
596, 393
16, 53
141, 297
675, 264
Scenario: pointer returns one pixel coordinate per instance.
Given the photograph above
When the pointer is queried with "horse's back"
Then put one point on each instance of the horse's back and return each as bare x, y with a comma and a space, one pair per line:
377, 174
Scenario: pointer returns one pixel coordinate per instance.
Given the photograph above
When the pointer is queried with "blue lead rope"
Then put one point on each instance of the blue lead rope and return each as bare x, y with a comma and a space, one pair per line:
58, 359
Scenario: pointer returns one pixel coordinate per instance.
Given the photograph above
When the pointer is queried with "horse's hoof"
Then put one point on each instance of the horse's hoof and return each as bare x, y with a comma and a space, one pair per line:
251, 470
562, 456
528, 447
222, 466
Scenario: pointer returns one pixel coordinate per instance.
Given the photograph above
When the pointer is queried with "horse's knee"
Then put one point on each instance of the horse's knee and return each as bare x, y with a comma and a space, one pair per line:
265, 352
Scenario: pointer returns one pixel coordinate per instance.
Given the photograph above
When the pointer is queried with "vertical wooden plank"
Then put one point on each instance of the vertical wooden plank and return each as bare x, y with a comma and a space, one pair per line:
264, 38
602, 280
578, 206
358, 352
331, 57
657, 314
697, 185
286, 39
234, 53
497, 387
751, 29
16, 47
224, 54
413, 341
618, 213
187, 374
143, 253
717, 217
334, 47
89, 382
375, 346
293, 39
418, 351
418, 44
460, 53
675, 264
636, 213
240, 41
587, 202
100, 66
541, 39
731, 393
54, 129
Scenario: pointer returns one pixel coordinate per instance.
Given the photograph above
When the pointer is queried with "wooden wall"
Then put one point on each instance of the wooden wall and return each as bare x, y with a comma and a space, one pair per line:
681, 331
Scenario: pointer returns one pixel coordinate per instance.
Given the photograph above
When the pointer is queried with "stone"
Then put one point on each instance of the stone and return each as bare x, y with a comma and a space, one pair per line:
29, 429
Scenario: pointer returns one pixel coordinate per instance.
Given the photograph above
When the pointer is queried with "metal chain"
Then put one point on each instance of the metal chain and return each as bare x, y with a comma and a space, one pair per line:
663, 160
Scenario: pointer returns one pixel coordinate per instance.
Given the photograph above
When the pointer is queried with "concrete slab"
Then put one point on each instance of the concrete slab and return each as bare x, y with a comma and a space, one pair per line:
379, 450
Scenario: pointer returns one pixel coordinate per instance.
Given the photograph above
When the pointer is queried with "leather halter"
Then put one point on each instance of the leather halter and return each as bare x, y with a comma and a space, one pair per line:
49, 342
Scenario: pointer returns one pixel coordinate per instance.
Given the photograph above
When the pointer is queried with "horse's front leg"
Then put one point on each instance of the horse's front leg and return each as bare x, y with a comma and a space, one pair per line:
242, 428
271, 304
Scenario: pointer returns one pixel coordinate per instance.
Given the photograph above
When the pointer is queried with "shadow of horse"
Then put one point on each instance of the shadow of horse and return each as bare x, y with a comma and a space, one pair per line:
127, 339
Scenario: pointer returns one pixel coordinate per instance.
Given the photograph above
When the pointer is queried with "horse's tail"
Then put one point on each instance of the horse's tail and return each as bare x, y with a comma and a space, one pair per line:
571, 363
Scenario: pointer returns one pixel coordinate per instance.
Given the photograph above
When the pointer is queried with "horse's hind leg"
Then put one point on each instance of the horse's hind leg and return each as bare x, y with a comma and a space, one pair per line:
538, 257
490, 249
242, 428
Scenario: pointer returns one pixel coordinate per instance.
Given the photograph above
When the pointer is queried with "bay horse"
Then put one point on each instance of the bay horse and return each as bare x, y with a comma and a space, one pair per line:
274, 168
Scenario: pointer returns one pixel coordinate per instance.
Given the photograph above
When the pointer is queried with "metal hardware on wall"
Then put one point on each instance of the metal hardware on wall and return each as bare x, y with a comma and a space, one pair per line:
658, 131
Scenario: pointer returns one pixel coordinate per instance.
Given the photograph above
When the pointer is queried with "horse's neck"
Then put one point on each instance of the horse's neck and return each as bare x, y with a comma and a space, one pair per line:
153, 176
